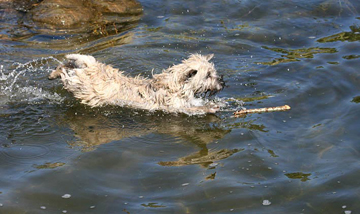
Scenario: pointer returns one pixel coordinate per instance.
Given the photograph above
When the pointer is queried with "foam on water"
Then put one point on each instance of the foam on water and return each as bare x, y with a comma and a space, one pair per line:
27, 82
226, 103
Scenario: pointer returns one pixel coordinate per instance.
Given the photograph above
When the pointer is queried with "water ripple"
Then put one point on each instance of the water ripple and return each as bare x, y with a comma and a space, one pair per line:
24, 153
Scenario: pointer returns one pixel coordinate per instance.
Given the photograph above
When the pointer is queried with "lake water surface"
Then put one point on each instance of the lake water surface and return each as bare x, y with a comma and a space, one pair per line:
58, 156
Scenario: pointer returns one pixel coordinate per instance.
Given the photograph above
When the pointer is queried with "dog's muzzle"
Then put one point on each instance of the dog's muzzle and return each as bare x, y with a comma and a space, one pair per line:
214, 91
221, 81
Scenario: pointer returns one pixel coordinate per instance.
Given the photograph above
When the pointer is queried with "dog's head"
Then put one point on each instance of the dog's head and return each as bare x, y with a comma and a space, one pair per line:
195, 76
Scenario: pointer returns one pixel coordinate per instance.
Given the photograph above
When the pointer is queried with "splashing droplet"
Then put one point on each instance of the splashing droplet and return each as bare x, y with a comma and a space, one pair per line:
66, 196
266, 202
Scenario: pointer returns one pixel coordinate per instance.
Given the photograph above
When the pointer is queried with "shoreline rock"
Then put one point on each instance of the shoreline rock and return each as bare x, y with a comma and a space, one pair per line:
75, 13
68, 15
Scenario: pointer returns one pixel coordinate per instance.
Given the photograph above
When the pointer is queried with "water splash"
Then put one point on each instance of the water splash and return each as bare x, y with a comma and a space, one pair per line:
226, 104
25, 82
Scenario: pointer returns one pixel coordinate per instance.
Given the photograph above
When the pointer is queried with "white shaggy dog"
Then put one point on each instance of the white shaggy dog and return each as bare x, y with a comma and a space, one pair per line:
176, 89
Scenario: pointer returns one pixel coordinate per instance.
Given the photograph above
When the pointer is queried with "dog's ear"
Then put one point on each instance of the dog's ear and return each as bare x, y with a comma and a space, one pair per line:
209, 56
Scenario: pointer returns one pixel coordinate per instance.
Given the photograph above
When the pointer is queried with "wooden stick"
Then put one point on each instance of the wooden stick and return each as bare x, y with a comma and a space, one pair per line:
260, 110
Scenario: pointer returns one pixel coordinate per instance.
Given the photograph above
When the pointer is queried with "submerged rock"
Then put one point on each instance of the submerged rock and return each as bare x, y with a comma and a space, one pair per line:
23, 5
75, 13
50, 26
59, 13
124, 7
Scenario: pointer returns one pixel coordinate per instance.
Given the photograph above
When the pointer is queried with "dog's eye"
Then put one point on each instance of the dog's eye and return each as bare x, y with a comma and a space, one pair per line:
191, 73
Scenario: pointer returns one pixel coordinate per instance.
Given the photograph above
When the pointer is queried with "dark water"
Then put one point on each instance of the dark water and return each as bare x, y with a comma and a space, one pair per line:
116, 160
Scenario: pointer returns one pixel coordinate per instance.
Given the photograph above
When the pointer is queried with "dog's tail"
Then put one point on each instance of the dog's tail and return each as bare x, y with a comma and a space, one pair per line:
72, 61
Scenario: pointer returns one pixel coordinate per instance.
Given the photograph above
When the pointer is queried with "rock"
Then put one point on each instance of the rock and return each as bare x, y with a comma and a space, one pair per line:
74, 13
66, 24
60, 13
24, 5
124, 7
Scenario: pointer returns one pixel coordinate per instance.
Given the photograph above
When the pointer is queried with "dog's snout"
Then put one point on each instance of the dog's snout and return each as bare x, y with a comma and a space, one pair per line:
221, 80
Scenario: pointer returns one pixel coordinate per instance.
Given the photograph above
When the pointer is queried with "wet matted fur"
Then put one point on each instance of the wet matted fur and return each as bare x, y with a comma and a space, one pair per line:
176, 89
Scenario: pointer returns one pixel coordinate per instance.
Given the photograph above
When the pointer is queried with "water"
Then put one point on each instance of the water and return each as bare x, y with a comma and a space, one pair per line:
117, 160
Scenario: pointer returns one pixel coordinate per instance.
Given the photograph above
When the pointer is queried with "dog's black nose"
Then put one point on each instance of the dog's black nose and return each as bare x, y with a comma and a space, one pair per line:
221, 80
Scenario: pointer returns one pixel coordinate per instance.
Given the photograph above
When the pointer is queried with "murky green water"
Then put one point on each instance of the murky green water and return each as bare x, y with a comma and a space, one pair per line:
116, 160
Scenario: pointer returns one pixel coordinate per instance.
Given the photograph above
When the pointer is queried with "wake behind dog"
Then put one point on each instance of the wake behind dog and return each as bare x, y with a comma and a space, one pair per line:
180, 88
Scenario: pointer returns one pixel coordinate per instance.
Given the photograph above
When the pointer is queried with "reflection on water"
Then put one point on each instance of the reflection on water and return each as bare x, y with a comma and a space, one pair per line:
94, 129
356, 99
119, 160
299, 175
351, 56
202, 157
296, 55
49, 165
352, 36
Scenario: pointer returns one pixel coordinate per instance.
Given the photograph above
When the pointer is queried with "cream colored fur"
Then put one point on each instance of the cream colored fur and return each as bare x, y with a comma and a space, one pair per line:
176, 89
